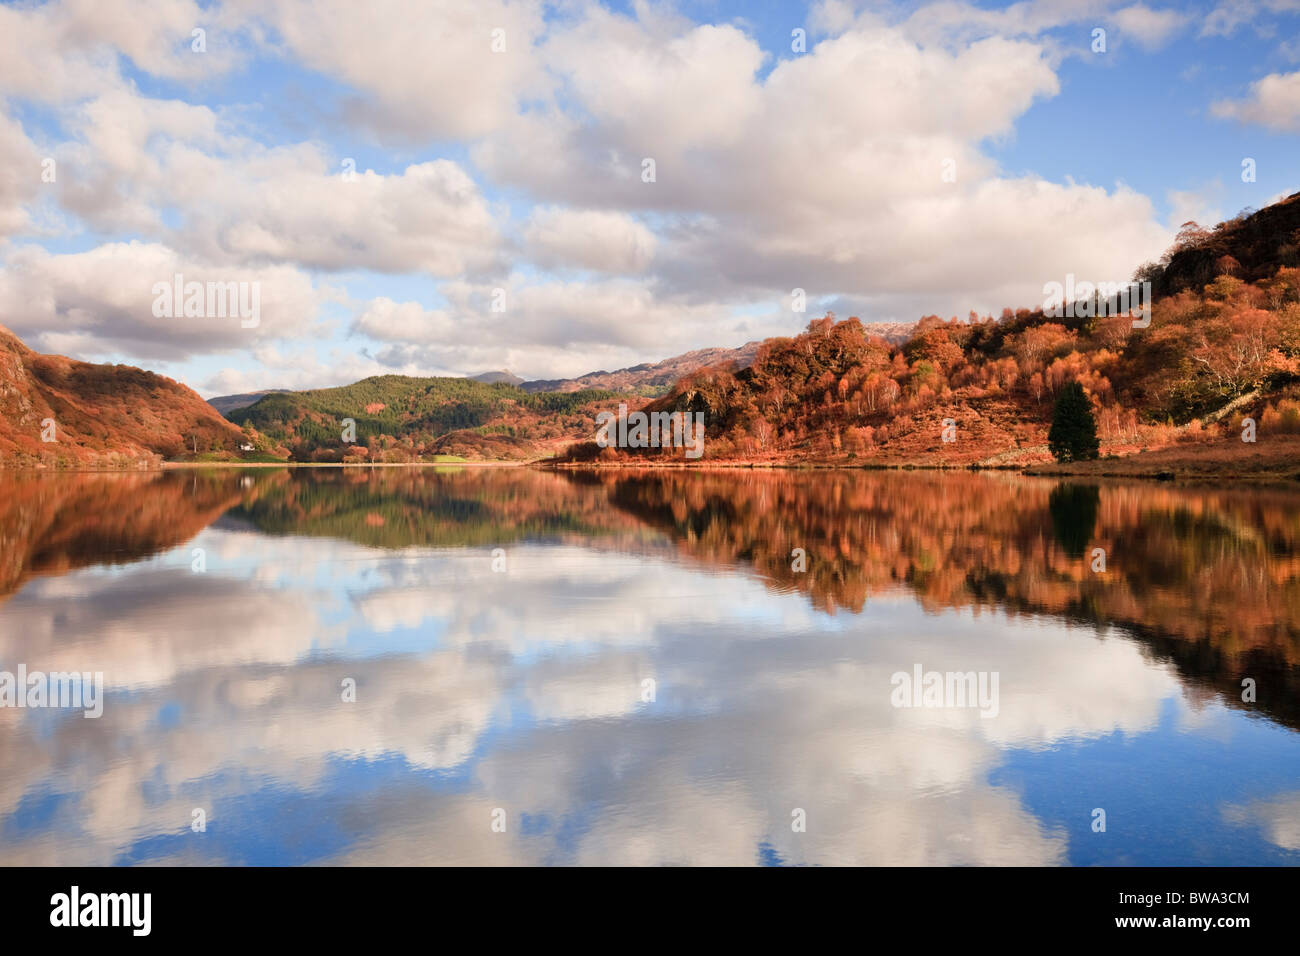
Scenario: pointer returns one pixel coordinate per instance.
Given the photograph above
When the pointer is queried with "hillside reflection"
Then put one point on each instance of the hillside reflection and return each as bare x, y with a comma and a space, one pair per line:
227, 610
1207, 579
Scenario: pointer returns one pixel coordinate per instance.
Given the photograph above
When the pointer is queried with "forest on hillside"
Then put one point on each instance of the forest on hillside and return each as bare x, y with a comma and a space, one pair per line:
399, 418
838, 392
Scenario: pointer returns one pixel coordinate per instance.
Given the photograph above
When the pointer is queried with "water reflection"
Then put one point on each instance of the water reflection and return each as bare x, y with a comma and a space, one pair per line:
1074, 515
525, 688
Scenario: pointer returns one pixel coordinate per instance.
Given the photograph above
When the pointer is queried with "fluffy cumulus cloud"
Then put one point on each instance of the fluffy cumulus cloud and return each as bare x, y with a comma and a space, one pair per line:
810, 183
556, 328
182, 173
62, 51
109, 300
1273, 102
604, 241
637, 183
417, 68
1150, 28
19, 181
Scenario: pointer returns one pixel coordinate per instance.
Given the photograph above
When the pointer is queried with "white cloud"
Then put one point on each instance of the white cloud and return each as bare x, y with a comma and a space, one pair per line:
600, 240
390, 321
288, 207
660, 93
825, 173
1274, 102
1225, 19
233, 200
64, 51
422, 69
817, 185
100, 302
296, 368
20, 176
1195, 205
1151, 28
549, 329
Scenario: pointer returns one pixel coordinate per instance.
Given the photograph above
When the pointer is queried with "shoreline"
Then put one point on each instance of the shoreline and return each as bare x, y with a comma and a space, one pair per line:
181, 465
1278, 461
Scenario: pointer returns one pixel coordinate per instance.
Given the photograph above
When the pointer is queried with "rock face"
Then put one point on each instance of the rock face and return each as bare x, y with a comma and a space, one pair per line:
98, 415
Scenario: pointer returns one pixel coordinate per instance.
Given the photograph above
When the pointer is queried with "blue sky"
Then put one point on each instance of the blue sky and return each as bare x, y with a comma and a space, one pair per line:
514, 176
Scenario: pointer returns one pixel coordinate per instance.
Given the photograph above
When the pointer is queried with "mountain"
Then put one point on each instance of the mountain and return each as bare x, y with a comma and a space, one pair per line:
500, 376
494, 415
398, 418
403, 418
99, 415
649, 378
226, 404
1222, 345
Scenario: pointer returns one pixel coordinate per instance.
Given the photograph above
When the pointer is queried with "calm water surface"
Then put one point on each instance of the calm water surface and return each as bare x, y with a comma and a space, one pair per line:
229, 611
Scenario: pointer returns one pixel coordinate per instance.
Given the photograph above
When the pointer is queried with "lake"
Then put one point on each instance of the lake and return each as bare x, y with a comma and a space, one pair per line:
508, 665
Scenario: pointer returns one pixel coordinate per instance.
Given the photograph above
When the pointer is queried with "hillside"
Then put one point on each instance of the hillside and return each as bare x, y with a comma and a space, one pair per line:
1255, 245
103, 415
647, 379
1216, 351
1223, 344
486, 417
401, 418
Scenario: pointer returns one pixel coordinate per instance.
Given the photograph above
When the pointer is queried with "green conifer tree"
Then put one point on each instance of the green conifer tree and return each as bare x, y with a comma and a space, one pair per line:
1073, 436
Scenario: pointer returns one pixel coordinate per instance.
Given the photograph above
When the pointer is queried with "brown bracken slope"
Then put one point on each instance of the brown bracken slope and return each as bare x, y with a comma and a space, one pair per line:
101, 415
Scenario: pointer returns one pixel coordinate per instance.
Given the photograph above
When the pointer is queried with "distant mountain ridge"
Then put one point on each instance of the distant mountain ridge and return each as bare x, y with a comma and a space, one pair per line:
226, 404
648, 379
500, 375
655, 378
